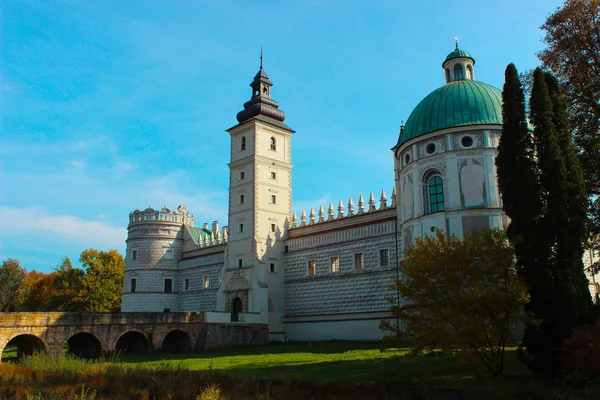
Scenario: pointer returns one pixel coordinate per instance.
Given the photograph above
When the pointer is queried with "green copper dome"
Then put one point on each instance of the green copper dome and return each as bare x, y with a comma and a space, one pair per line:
458, 103
458, 53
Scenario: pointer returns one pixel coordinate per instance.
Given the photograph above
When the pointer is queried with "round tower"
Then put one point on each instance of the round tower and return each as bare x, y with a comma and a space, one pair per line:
154, 246
444, 158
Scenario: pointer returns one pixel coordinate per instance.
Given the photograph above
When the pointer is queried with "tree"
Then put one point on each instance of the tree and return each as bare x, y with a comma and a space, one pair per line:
69, 286
461, 294
11, 280
40, 292
103, 280
572, 34
560, 297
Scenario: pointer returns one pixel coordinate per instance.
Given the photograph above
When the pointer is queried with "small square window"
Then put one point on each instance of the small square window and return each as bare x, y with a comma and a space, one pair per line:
358, 261
240, 263
242, 175
272, 267
273, 175
133, 285
241, 199
384, 257
312, 267
206, 282
273, 227
273, 199
168, 285
169, 254
186, 284
241, 227
134, 255
335, 264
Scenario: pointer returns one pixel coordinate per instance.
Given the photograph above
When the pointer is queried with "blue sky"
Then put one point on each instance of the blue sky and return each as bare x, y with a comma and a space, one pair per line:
111, 105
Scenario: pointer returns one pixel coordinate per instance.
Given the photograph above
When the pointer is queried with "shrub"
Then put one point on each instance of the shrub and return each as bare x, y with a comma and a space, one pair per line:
582, 352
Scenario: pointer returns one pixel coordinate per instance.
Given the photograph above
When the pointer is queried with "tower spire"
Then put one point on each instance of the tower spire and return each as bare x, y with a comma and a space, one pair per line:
455, 41
261, 58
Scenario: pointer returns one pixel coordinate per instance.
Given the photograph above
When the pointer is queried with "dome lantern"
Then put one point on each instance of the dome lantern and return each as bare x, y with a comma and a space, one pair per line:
458, 65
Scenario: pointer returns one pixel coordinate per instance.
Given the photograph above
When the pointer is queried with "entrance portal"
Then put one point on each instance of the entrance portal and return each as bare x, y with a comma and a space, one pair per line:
236, 308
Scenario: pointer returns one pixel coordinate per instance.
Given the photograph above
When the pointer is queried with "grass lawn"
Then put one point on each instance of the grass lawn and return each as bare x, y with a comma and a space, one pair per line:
323, 370
9, 353
329, 362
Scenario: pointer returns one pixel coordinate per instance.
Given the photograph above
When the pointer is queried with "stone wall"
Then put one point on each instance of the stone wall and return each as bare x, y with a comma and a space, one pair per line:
232, 335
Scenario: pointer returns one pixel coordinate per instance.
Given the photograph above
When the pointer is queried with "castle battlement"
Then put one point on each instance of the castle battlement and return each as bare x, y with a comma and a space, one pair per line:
180, 216
312, 217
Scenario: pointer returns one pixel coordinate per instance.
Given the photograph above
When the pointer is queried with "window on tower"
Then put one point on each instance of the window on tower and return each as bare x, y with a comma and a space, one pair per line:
273, 227
241, 199
241, 227
242, 175
458, 72
273, 199
433, 193
133, 286
312, 267
243, 144
273, 143
168, 285
469, 72
273, 175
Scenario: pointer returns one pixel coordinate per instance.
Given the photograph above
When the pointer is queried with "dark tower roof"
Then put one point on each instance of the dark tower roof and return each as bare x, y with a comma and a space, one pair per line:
261, 106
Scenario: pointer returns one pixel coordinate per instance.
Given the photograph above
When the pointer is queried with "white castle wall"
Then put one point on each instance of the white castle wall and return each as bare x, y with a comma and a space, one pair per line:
347, 304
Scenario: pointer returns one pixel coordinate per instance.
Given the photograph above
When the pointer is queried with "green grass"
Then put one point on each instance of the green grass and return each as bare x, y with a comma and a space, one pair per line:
9, 353
327, 362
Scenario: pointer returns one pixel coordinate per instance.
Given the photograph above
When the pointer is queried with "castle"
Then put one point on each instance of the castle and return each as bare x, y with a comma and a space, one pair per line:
325, 275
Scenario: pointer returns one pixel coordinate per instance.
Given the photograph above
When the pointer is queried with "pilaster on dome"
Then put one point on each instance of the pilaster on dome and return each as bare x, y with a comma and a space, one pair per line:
261, 106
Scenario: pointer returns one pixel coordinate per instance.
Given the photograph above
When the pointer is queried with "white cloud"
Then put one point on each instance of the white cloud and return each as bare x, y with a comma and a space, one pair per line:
35, 221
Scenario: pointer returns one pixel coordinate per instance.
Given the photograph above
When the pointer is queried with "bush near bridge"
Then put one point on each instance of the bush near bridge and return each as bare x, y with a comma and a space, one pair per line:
328, 370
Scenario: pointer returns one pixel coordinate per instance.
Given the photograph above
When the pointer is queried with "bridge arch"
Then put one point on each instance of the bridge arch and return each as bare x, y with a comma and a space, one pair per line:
25, 344
132, 342
177, 341
85, 345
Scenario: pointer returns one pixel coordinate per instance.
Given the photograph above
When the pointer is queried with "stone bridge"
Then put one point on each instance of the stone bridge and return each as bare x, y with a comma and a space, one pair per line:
91, 334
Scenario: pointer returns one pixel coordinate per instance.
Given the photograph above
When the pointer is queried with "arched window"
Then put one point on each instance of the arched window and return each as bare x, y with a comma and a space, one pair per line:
458, 72
447, 75
469, 72
243, 146
273, 143
433, 193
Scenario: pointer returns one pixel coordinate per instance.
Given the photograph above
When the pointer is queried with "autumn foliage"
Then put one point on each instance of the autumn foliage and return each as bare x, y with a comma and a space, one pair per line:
460, 294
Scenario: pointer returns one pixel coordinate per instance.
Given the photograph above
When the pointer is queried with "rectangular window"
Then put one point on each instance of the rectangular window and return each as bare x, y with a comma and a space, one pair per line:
273, 175
186, 284
243, 143
335, 264
272, 267
206, 282
169, 254
241, 227
242, 175
384, 257
312, 267
240, 263
273, 143
273, 199
273, 227
241, 199
168, 285
134, 254
358, 261
133, 285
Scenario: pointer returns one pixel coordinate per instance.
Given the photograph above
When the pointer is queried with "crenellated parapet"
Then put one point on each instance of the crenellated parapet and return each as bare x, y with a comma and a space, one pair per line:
361, 209
180, 216
214, 237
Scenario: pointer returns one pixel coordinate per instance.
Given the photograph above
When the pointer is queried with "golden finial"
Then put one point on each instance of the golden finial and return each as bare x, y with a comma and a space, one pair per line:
456, 41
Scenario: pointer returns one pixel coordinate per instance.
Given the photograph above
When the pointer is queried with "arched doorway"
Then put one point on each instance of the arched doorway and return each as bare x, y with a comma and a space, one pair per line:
22, 345
84, 345
236, 308
177, 341
132, 343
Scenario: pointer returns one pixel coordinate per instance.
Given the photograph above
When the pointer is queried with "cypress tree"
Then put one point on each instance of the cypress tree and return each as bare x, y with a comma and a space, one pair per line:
573, 232
562, 203
520, 190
